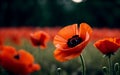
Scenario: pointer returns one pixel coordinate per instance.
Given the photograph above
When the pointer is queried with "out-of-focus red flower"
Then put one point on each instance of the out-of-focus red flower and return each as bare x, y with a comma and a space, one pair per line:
28, 60
17, 62
6, 51
71, 40
108, 46
39, 38
15, 38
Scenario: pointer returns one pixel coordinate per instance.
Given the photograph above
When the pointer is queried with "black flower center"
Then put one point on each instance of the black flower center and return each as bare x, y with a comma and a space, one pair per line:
75, 40
17, 56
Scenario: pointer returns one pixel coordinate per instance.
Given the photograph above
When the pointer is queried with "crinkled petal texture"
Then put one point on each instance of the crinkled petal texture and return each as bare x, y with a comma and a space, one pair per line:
39, 38
60, 40
108, 45
84, 27
17, 62
63, 52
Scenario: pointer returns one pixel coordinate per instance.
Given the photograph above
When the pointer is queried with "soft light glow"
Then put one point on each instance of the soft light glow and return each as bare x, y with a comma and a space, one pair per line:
77, 1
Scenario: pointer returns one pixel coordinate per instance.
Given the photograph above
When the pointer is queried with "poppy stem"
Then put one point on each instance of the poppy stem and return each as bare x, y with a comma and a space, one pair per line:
110, 65
0, 69
83, 65
105, 70
58, 71
117, 69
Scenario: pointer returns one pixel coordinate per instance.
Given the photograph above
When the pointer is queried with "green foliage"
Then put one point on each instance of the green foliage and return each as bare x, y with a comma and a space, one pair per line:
98, 13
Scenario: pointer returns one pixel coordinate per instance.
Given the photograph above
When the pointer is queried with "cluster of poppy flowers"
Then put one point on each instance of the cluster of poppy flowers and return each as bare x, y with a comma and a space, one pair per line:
72, 39
69, 42
21, 62
15, 35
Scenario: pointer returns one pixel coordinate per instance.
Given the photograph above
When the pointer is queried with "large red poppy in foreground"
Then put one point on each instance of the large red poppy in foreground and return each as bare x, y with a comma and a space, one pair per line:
71, 40
108, 46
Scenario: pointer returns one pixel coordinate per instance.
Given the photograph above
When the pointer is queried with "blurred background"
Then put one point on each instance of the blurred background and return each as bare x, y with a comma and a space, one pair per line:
20, 18
97, 13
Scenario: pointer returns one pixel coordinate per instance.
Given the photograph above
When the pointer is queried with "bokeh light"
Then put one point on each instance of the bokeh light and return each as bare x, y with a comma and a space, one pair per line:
77, 1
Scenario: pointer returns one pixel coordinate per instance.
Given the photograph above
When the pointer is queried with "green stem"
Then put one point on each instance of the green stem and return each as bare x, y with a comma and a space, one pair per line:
83, 65
117, 69
58, 71
110, 65
0, 70
105, 71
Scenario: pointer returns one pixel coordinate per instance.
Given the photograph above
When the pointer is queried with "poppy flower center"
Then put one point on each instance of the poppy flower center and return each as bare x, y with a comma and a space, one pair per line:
36, 42
75, 40
17, 56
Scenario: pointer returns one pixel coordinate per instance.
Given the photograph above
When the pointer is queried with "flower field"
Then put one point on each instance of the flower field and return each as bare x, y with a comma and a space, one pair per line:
19, 38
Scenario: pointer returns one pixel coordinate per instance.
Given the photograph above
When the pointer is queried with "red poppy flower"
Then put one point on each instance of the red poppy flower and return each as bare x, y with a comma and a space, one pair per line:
108, 45
6, 51
27, 59
71, 40
15, 38
17, 62
39, 38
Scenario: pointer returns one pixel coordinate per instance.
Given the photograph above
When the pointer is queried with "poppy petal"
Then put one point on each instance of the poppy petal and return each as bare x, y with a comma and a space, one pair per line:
84, 27
36, 67
39, 38
44, 39
7, 49
107, 45
68, 31
59, 42
25, 57
64, 56
118, 41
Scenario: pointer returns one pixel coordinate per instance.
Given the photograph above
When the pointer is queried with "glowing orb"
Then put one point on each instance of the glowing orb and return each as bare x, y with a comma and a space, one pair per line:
77, 1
